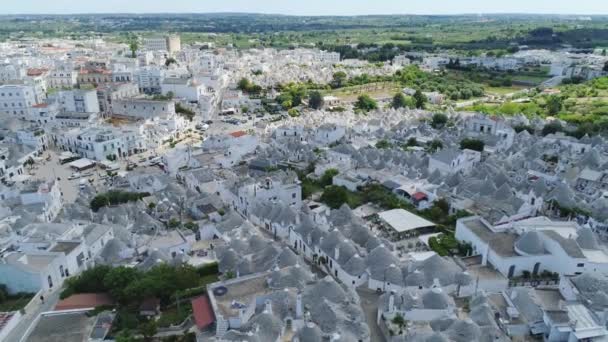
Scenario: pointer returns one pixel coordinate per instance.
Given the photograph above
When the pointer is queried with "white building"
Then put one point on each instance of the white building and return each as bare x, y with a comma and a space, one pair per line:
534, 245
140, 108
451, 160
16, 99
77, 101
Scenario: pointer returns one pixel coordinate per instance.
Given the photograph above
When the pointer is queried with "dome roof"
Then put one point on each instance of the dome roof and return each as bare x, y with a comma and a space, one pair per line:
435, 299
586, 239
530, 243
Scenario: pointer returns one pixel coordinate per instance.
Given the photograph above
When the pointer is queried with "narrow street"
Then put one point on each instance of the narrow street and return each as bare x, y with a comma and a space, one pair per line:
369, 305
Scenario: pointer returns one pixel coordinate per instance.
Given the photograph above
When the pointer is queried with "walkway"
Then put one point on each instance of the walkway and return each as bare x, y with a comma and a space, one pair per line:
50, 299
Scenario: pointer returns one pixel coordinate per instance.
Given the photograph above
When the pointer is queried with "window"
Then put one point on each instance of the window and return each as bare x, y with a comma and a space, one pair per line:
580, 265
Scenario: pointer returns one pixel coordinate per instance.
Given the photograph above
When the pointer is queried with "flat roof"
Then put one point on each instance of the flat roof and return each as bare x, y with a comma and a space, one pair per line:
65, 246
402, 220
81, 163
63, 327
238, 293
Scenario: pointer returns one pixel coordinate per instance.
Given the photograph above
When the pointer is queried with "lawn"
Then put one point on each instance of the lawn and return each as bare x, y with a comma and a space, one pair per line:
503, 90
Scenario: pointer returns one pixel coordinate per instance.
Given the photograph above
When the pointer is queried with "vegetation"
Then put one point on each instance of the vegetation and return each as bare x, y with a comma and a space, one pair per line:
400, 101
438, 120
247, 86
315, 100
335, 196
365, 103
184, 111
13, 302
291, 95
472, 144
115, 197
383, 144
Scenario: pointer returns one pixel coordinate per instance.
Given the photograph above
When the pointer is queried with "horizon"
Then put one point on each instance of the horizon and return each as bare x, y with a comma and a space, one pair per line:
312, 15
310, 8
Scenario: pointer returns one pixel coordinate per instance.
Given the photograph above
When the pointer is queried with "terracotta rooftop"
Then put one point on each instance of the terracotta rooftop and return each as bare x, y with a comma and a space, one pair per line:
238, 134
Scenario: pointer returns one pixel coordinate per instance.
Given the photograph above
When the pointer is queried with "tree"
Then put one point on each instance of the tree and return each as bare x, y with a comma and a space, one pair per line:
411, 142
125, 336
170, 61
133, 46
315, 100
148, 329
383, 144
243, 84
398, 320
419, 99
328, 176
435, 145
338, 80
472, 144
365, 103
334, 196
554, 104
439, 120
399, 101
552, 128
605, 64
117, 279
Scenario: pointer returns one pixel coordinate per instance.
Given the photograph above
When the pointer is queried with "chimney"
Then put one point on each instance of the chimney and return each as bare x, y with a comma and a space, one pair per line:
336, 253
299, 305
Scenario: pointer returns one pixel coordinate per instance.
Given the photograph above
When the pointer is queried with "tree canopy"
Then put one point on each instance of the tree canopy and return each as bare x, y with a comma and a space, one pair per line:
365, 103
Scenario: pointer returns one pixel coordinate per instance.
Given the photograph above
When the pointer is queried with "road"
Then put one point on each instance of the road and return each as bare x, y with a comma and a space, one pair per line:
369, 305
53, 170
50, 299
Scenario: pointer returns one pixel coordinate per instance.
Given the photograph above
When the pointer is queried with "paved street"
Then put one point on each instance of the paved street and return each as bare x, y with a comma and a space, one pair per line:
369, 305
50, 299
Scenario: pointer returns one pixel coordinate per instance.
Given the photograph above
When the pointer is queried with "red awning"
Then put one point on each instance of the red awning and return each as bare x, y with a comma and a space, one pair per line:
202, 312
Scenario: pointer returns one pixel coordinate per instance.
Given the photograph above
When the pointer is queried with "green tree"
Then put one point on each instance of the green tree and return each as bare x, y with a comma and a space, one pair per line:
170, 61
338, 80
117, 279
133, 46
411, 142
148, 329
399, 101
439, 120
125, 336
398, 320
419, 99
472, 144
552, 128
605, 64
365, 103
383, 144
334, 196
328, 176
554, 104
315, 100
435, 145
244, 84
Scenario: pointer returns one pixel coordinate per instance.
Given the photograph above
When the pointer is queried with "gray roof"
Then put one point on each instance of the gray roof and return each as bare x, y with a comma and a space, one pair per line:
530, 243
570, 246
446, 155
435, 299
586, 239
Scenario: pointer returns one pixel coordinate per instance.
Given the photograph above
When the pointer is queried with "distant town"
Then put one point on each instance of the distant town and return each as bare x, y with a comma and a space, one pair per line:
156, 188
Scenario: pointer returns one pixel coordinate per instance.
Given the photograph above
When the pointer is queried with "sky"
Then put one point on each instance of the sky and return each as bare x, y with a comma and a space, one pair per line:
306, 7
